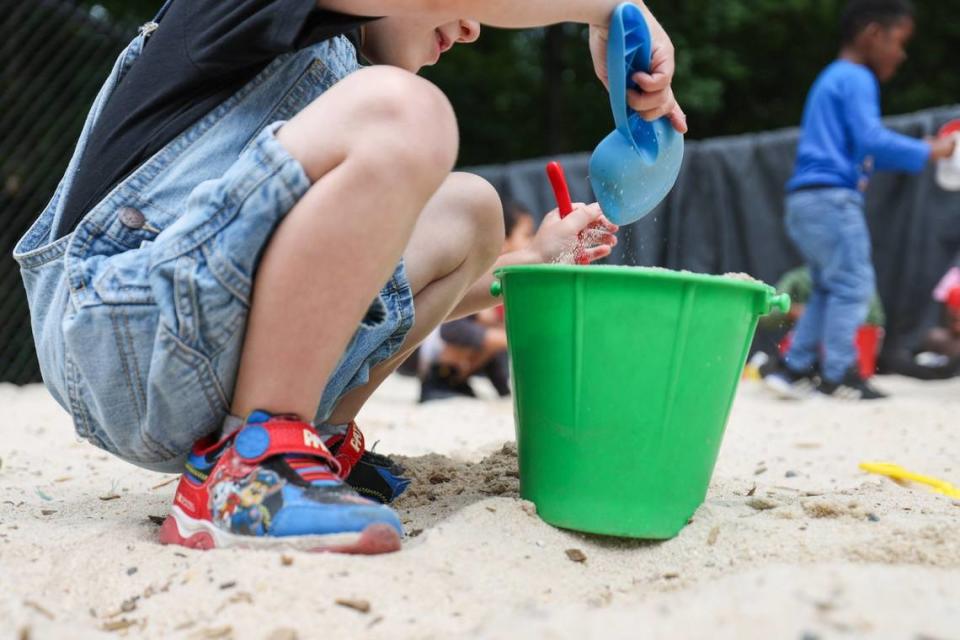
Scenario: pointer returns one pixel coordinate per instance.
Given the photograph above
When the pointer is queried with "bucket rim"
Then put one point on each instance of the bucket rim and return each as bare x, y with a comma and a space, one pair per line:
657, 273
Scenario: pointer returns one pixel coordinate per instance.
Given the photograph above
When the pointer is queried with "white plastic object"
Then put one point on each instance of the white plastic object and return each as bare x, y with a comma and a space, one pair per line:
948, 169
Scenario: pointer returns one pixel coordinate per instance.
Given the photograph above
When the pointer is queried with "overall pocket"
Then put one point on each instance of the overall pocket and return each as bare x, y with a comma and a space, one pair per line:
204, 314
139, 389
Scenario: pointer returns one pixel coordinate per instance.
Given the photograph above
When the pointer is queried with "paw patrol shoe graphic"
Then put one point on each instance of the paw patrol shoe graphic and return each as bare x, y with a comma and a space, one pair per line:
274, 484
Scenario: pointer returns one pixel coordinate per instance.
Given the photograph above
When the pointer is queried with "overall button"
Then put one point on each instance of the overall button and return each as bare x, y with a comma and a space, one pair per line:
131, 218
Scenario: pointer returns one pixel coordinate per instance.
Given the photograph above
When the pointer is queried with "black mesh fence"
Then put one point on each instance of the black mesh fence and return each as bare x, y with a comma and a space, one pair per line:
725, 214
54, 58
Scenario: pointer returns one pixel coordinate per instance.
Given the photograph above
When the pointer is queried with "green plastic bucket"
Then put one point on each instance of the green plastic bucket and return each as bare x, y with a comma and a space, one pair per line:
623, 383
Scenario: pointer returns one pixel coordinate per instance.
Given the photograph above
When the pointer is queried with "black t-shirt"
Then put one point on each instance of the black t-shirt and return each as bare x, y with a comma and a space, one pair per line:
203, 52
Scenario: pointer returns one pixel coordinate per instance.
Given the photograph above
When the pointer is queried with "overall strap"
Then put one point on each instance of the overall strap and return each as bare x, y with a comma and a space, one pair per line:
147, 30
163, 11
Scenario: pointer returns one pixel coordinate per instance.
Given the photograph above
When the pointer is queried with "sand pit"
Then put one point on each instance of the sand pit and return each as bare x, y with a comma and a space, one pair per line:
793, 541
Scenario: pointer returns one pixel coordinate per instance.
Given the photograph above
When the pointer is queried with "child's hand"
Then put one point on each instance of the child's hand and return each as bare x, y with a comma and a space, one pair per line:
582, 237
942, 148
655, 98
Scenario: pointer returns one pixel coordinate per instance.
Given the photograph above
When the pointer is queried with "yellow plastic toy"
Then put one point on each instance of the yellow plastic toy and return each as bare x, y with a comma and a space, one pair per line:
898, 474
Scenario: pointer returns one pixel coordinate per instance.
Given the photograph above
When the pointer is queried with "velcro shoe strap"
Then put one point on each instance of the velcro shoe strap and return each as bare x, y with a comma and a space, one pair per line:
351, 449
278, 437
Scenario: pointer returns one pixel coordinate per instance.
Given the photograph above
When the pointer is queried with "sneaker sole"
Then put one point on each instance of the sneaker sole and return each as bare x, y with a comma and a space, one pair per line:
784, 390
842, 395
180, 529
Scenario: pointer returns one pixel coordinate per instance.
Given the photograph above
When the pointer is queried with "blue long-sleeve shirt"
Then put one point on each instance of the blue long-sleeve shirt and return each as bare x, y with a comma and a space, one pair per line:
843, 140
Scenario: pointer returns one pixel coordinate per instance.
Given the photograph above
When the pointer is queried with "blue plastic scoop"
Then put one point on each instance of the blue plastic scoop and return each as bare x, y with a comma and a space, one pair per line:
636, 166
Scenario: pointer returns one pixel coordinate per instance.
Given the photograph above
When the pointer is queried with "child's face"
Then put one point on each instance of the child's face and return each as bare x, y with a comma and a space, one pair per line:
521, 236
413, 42
887, 47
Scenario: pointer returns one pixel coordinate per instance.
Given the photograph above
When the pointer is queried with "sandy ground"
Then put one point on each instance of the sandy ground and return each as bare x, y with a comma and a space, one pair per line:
793, 541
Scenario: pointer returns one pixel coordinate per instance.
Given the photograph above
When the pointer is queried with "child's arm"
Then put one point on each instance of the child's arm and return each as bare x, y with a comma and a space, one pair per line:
657, 99
556, 242
891, 151
511, 14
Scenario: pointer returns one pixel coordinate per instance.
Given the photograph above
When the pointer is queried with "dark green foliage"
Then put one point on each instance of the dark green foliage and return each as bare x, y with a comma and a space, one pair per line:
743, 65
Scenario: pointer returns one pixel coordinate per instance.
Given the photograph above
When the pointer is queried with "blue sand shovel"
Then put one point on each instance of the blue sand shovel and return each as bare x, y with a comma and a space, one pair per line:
635, 167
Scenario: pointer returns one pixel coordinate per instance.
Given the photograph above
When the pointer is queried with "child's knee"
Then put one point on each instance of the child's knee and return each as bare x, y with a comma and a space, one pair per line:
413, 128
396, 125
405, 99
485, 212
855, 288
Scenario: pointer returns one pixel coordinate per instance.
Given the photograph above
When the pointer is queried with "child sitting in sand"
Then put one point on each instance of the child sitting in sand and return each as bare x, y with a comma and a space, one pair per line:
944, 339
937, 356
842, 143
254, 231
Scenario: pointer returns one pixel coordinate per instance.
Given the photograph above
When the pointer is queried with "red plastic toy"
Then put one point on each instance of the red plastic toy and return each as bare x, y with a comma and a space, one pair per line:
561, 192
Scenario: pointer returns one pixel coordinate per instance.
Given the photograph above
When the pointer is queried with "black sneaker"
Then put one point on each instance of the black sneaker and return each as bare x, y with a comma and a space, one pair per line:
372, 475
790, 385
852, 387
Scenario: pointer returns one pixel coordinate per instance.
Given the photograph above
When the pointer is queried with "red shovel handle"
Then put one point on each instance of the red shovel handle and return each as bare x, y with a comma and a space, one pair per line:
559, 182
560, 190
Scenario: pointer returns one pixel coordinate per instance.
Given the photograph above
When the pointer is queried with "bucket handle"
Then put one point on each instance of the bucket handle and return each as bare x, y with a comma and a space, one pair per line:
780, 302
496, 289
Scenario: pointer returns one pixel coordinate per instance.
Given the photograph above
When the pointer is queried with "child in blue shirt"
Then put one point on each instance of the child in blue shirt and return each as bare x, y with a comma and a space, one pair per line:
843, 141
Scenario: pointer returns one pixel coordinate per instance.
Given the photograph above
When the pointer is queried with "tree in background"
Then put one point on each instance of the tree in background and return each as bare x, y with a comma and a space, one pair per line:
743, 65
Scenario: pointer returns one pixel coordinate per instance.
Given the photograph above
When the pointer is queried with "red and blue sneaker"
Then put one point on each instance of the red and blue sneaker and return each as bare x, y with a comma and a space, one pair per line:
274, 483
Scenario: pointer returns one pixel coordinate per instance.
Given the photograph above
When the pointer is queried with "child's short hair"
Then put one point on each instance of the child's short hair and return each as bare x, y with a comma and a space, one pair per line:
513, 211
859, 14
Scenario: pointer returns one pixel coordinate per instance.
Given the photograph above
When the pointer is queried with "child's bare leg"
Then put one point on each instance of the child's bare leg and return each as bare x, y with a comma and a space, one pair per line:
456, 241
376, 146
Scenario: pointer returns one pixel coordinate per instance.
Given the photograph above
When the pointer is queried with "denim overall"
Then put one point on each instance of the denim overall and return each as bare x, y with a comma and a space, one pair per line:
139, 314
